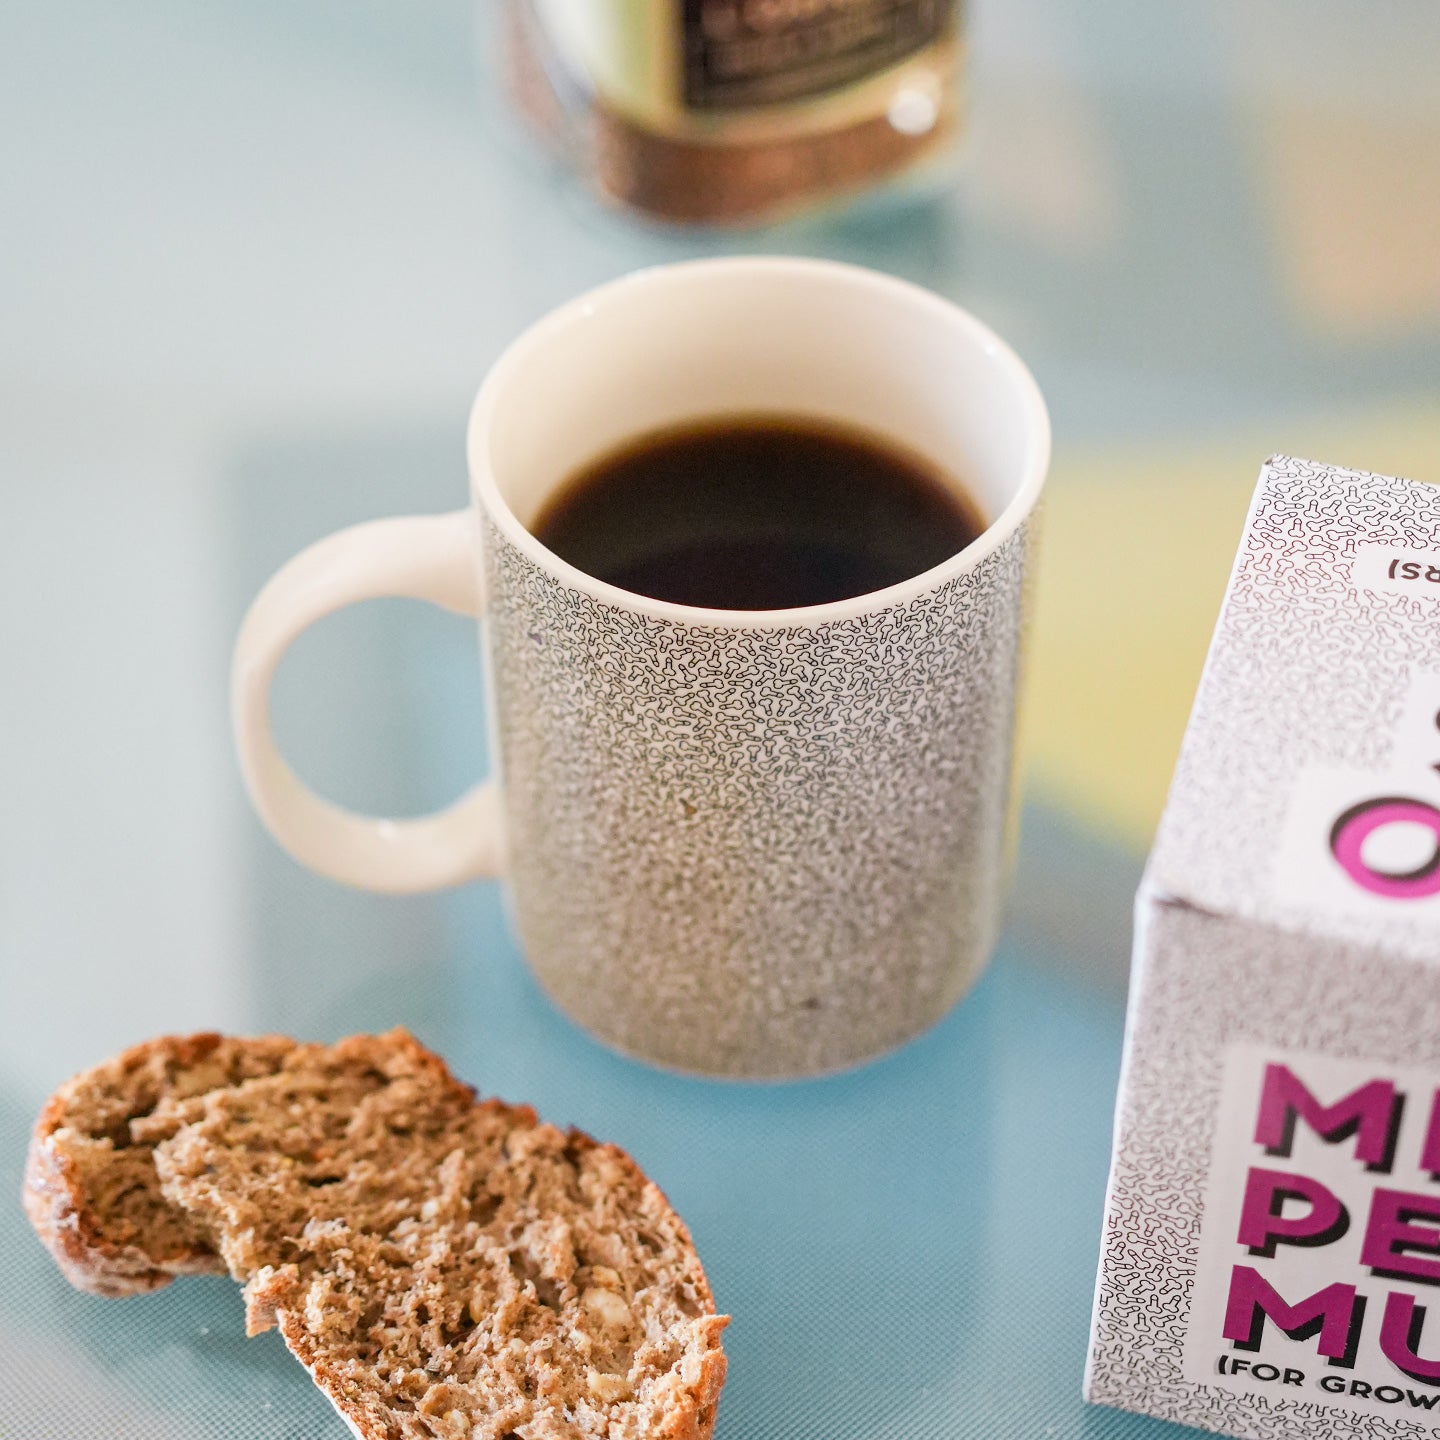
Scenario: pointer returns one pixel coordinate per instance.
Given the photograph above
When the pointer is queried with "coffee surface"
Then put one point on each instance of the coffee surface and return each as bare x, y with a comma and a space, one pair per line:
749, 513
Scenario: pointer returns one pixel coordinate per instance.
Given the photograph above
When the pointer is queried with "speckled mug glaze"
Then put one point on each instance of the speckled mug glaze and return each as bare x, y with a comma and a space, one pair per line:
760, 844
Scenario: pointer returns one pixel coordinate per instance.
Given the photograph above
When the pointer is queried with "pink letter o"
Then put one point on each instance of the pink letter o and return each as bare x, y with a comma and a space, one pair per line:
1350, 832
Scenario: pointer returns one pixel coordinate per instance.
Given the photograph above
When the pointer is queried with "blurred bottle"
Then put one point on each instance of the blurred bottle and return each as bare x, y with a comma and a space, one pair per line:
736, 112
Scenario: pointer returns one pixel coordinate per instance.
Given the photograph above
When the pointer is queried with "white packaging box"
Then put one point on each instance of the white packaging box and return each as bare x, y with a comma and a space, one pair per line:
1270, 1261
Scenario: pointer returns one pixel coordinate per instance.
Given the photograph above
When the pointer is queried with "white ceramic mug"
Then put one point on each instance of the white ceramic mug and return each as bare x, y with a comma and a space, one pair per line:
753, 843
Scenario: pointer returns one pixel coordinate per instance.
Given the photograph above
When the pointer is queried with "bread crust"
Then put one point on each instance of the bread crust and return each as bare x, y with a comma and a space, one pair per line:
691, 1418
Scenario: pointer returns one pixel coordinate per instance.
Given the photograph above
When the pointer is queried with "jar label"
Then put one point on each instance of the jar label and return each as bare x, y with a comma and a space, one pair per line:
740, 54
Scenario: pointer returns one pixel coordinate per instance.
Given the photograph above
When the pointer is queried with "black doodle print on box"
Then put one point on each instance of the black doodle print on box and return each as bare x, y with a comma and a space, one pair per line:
1308, 668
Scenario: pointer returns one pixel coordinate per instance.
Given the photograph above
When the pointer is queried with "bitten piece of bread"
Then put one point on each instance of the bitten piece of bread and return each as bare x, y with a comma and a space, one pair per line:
91, 1190
443, 1267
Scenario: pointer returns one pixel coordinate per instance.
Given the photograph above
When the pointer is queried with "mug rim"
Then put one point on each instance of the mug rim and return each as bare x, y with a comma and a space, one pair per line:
486, 490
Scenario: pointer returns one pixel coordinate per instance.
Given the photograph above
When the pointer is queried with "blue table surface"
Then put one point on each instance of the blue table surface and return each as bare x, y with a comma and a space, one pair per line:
254, 258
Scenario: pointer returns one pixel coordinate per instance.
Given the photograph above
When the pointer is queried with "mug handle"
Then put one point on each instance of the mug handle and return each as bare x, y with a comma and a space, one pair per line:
422, 557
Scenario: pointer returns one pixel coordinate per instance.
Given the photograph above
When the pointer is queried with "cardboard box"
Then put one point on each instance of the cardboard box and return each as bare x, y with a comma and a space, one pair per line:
1270, 1262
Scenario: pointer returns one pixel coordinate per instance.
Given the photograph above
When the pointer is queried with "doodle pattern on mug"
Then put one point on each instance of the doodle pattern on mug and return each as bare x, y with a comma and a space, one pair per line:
802, 829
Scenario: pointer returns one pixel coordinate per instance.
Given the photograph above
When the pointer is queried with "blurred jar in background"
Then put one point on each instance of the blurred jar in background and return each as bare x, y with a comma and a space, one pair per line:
734, 112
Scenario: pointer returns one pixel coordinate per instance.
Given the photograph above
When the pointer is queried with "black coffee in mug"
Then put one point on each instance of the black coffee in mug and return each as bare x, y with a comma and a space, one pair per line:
757, 513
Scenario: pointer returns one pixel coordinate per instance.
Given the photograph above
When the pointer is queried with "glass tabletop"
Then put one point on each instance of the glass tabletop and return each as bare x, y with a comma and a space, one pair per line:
255, 258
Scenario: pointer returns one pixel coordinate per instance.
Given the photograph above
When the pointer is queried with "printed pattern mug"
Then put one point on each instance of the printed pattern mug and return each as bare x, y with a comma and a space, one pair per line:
745, 843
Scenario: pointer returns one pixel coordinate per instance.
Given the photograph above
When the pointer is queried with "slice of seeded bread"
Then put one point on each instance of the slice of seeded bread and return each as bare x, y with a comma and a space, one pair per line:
91, 1191
444, 1267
